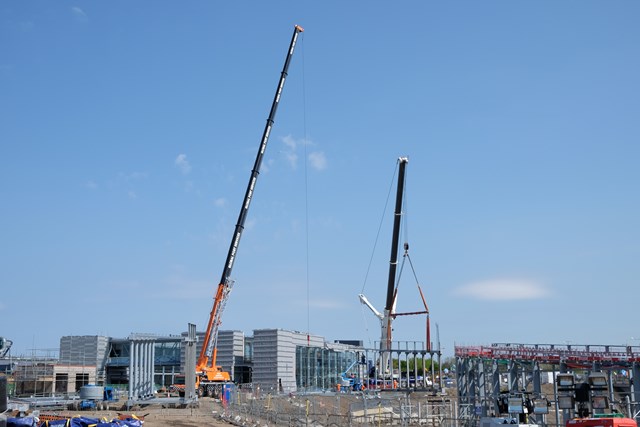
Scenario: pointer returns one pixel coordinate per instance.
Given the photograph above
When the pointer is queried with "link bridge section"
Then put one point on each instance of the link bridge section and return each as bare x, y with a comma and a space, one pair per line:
490, 376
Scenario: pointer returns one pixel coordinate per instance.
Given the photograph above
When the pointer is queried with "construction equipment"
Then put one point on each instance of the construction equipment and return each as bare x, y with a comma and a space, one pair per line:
352, 381
389, 314
5, 346
93, 397
210, 378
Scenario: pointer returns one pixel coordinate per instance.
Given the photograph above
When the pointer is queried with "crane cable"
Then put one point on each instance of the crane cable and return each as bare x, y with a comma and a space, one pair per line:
306, 194
375, 244
406, 256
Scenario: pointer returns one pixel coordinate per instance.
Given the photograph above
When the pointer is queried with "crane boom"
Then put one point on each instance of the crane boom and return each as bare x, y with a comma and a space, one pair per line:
209, 347
389, 308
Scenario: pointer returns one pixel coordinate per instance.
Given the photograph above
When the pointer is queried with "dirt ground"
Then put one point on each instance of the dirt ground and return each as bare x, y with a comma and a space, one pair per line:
205, 414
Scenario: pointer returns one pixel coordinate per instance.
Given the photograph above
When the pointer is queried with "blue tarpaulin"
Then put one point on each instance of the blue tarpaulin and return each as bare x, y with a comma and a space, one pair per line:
85, 422
21, 422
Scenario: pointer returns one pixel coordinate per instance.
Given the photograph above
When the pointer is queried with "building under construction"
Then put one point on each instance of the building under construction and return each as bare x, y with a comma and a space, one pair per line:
546, 384
272, 359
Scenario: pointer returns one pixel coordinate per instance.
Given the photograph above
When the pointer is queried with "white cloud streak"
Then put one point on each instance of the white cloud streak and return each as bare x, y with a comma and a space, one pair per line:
327, 304
182, 163
317, 160
79, 14
503, 290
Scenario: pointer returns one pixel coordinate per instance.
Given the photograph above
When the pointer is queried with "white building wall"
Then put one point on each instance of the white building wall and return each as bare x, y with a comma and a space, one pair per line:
274, 357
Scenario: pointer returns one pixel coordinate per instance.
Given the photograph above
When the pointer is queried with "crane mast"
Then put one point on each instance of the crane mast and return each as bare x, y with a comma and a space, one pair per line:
207, 359
389, 309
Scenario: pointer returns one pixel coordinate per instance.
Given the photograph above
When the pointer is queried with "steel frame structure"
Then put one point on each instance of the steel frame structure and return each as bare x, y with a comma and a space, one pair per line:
481, 370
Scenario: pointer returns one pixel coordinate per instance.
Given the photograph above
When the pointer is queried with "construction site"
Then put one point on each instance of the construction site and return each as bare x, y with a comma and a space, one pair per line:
525, 384
272, 376
99, 373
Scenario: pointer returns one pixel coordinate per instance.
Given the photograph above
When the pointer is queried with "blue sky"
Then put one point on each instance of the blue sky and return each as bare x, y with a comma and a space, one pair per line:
129, 129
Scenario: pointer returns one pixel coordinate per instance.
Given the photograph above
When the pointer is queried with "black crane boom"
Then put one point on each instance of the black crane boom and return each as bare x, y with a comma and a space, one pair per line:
208, 352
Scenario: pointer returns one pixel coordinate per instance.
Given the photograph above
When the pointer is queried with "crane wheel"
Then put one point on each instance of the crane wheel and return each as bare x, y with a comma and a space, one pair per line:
217, 391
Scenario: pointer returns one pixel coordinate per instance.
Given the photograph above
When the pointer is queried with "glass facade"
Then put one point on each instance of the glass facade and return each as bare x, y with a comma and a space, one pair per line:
320, 368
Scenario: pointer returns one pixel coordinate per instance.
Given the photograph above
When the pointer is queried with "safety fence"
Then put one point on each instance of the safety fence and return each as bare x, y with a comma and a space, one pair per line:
339, 409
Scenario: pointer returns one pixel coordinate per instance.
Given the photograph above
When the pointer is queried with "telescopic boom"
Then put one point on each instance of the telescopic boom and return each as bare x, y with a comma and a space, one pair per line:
209, 350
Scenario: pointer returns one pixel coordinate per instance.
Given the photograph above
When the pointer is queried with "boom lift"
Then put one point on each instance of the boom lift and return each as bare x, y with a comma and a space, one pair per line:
209, 376
5, 346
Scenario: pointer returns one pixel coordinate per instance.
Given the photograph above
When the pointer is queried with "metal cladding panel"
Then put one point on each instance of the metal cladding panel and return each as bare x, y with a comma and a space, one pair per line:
230, 345
84, 350
266, 344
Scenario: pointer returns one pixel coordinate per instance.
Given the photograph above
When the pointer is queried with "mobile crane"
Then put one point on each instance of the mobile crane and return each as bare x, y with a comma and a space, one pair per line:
209, 377
389, 314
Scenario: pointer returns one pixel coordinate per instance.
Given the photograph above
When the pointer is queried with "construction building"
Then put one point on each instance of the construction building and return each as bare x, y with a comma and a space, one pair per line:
510, 378
272, 359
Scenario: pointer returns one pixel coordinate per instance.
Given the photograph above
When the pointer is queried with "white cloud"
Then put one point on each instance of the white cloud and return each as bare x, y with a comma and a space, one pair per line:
182, 163
79, 14
289, 142
318, 160
91, 185
290, 151
503, 290
220, 202
292, 158
327, 304
266, 166
132, 195
250, 224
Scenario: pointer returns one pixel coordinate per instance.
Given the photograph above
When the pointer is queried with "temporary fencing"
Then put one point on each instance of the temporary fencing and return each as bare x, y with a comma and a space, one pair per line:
340, 409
